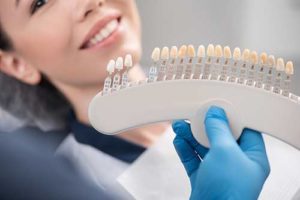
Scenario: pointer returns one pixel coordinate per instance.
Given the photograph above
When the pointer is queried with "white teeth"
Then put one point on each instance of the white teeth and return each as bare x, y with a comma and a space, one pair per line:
99, 37
104, 32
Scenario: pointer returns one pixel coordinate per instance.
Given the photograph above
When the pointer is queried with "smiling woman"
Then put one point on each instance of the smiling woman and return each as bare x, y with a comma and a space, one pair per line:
53, 58
72, 61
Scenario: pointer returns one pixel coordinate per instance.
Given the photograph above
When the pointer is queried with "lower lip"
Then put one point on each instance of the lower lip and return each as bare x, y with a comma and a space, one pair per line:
111, 39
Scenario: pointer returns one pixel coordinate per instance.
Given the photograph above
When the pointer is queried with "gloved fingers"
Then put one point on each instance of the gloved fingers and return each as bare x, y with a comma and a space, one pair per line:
217, 127
187, 155
252, 144
183, 129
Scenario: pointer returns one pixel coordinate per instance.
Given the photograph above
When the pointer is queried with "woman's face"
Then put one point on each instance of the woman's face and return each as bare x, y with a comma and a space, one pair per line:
71, 41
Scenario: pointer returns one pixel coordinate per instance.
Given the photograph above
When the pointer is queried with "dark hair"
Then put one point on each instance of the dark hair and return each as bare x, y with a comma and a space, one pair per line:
42, 105
5, 43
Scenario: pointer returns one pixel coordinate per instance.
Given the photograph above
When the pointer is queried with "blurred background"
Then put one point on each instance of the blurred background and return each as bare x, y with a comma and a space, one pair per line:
261, 25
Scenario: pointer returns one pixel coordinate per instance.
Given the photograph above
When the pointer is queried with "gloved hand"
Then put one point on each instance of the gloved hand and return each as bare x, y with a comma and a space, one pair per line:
229, 169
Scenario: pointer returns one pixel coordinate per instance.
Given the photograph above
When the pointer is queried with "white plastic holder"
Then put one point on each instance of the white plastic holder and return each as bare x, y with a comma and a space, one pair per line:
246, 107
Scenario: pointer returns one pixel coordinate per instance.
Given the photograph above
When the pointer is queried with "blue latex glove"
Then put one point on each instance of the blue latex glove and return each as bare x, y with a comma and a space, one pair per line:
229, 169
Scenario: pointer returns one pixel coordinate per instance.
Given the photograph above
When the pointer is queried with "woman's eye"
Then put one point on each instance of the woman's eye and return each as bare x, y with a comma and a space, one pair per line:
37, 4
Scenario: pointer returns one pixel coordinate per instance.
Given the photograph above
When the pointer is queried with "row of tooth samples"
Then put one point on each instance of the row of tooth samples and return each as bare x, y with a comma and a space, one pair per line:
217, 63
116, 77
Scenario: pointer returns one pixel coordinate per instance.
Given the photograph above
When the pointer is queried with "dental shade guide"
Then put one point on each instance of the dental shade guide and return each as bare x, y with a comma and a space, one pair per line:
253, 90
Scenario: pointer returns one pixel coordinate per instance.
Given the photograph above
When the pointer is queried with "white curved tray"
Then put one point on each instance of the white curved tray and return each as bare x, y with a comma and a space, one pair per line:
246, 107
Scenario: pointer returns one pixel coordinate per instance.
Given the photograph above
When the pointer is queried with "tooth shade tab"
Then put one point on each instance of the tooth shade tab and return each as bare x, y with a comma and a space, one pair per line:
191, 51
128, 61
264, 58
119, 63
237, 54
165, 53
280, 65
271, 60
254, 57
111, 66
182, 51
210, 50
227, 52
174, 52
289, 68
246, 55
201, 51
156, 55
218, 51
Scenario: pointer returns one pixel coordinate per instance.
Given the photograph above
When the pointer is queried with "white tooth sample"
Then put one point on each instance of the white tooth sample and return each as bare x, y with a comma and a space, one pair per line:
191, 51
269, 78
117, 77
180, 67
280, 65
108, 81
218, 51
165, 53
251, 73
289, 68
128, 61
210, 50
261, 71
237, 54
234, 69
171, 67
111, 66
156, 54
182, 52
198, 66
153, 69
227, 52
174, 52
225, 68
254, 57
119, 64
201, 51
243, 69
264, 58
280, 68
246, 55
271, 61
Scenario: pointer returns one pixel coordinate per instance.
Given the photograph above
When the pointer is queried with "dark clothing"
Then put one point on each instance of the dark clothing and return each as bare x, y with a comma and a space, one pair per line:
111, 145
28, 170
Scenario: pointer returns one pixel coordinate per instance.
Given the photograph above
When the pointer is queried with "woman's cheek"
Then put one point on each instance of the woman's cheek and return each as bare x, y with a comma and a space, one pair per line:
46, 46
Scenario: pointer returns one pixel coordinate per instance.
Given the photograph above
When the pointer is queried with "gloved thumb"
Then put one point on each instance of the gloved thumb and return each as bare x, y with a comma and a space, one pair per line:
217, 127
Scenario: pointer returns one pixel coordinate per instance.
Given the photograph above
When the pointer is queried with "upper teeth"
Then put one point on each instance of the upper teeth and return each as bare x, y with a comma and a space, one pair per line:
104, 32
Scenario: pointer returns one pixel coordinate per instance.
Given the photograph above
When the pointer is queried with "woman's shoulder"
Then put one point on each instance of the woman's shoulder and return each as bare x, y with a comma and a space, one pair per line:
51, 138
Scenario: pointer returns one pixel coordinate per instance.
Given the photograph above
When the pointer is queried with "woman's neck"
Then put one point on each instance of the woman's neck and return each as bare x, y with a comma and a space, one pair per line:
81, 97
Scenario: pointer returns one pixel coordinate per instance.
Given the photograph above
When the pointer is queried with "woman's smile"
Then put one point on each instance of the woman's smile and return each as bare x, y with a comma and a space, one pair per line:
105, 32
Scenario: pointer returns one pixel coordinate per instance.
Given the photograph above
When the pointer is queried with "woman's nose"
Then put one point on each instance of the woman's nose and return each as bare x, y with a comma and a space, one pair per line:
85, 8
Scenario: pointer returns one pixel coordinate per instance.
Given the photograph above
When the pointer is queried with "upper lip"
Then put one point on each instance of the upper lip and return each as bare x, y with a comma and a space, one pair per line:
98, 26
